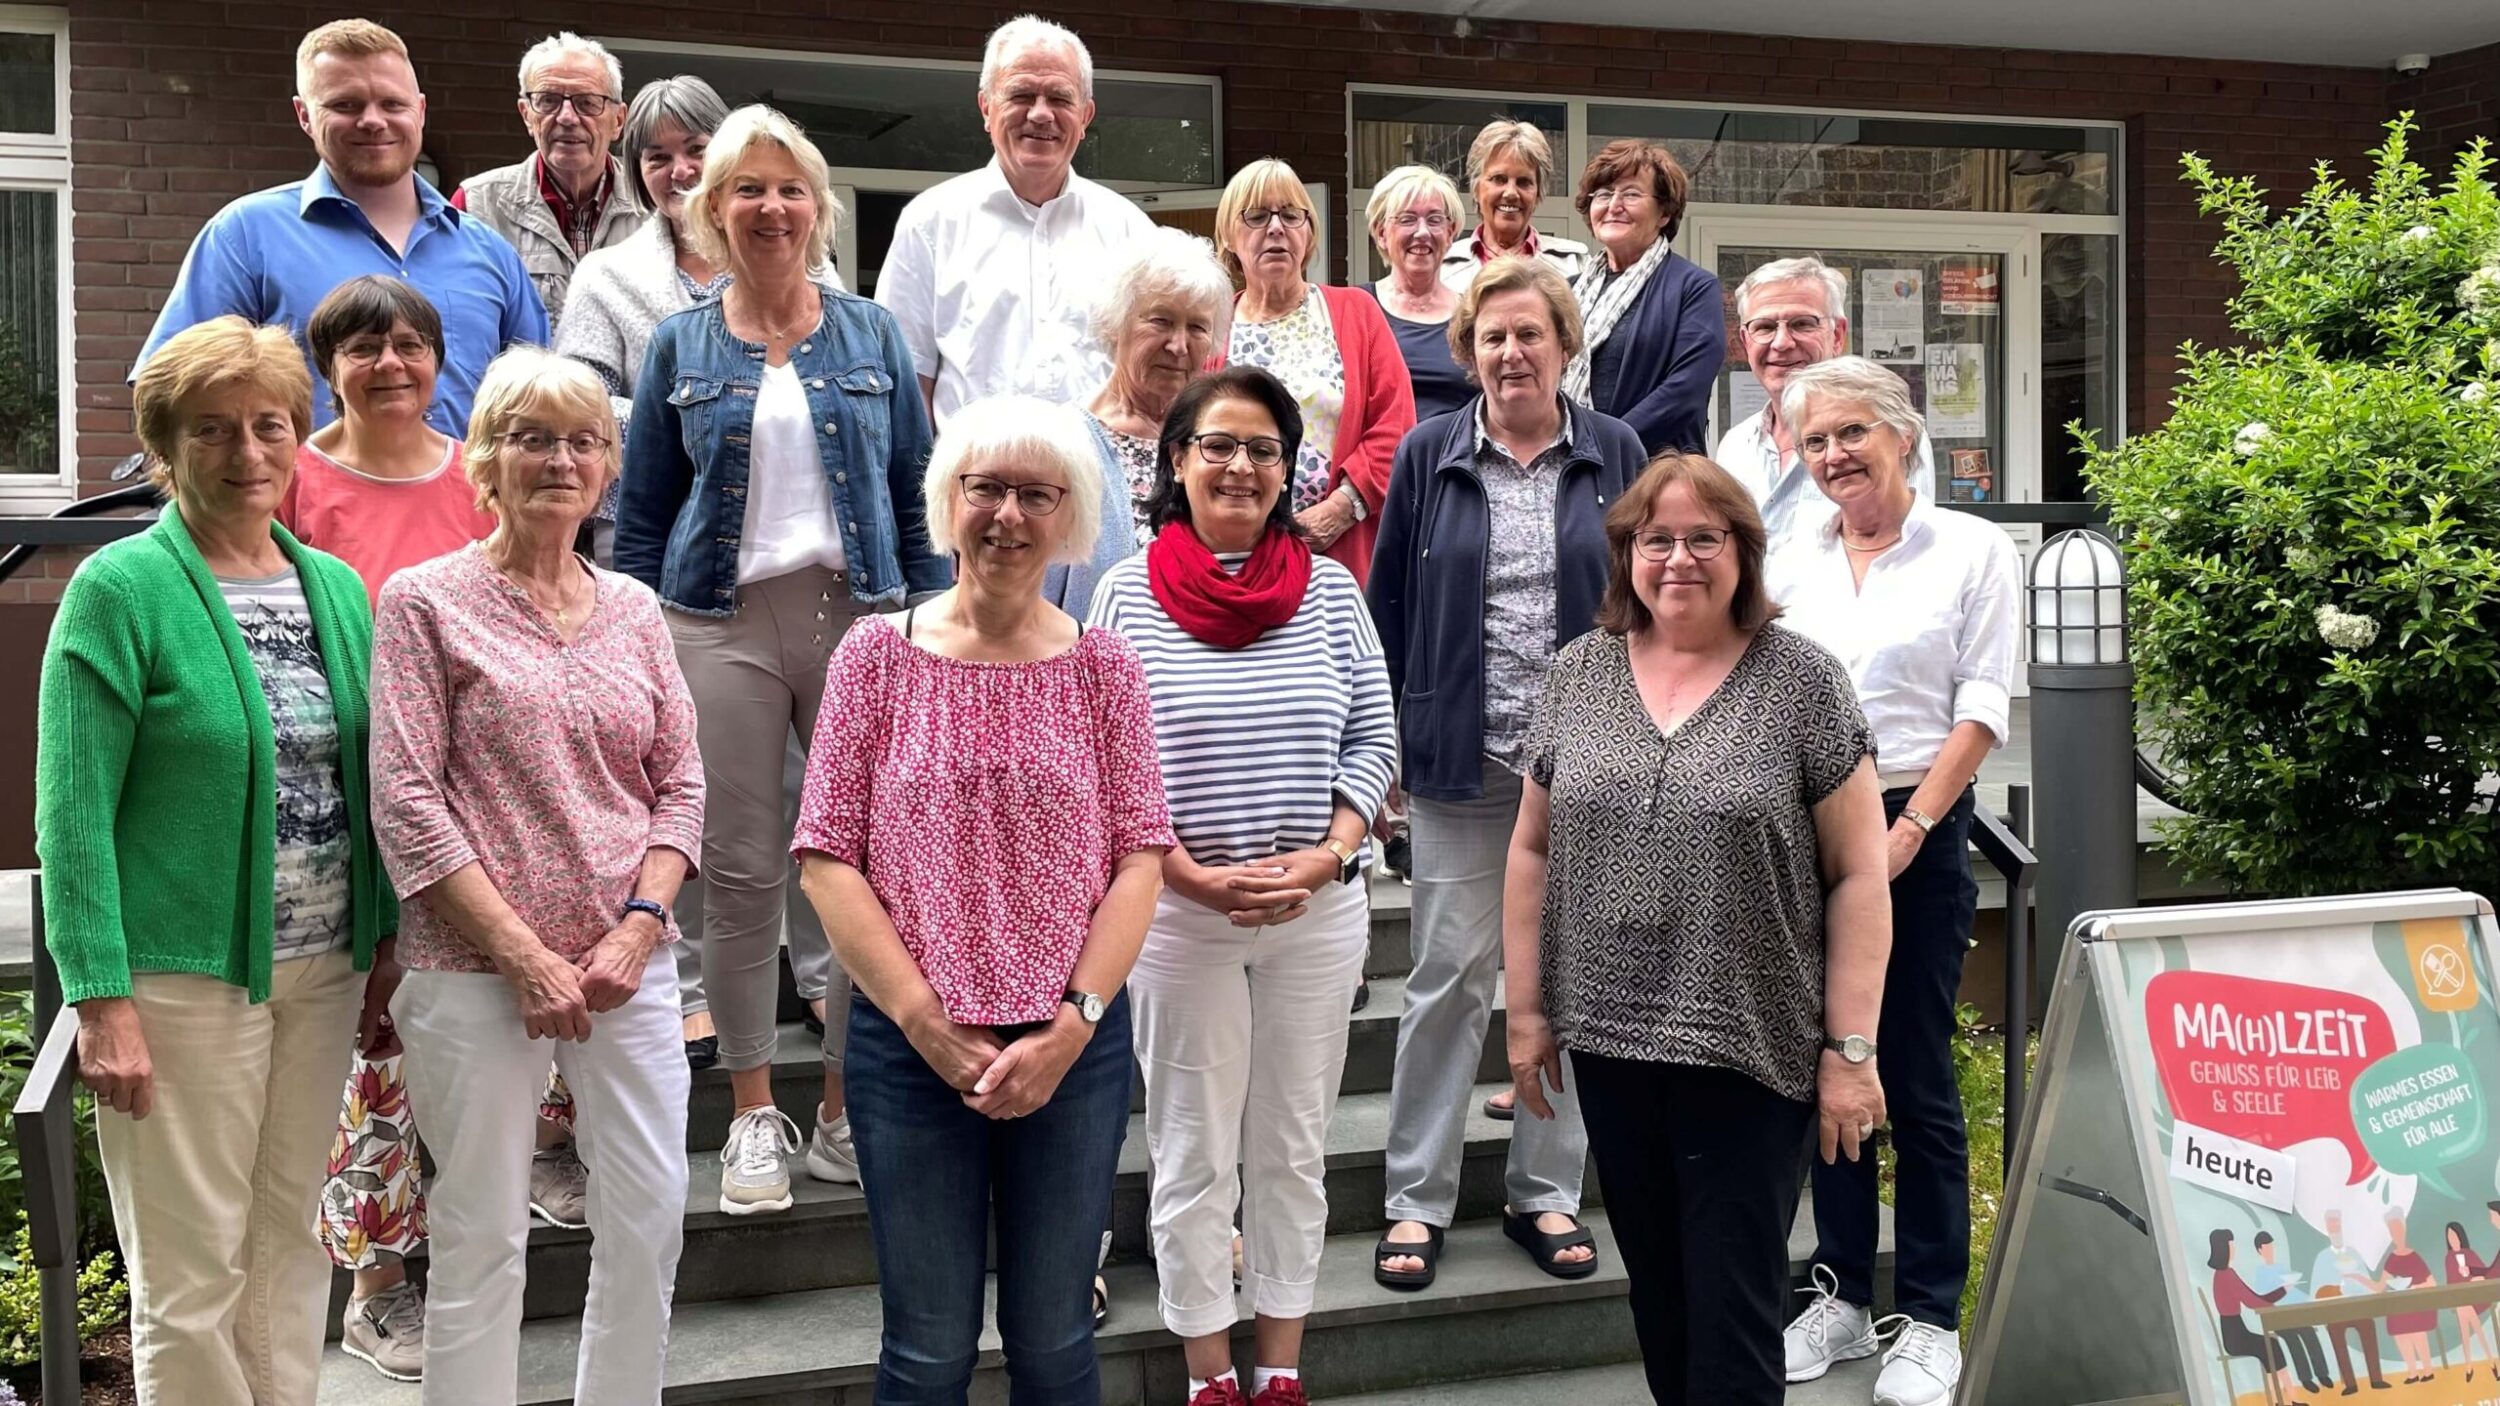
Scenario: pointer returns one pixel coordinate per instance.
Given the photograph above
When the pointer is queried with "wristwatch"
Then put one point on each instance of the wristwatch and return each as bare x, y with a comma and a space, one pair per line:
1857, 1049
1926, 823
644, 905
1349, 859
1087, 1004
1360, 510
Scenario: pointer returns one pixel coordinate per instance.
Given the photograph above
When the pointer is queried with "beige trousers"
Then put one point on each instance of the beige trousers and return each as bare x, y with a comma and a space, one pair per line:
215, 1192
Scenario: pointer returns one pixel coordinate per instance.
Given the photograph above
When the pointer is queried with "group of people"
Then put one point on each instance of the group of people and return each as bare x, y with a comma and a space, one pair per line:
1070, 620
2242, 1288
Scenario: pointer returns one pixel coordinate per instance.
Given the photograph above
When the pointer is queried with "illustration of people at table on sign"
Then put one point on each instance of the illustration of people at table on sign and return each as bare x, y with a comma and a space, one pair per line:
2323, 1100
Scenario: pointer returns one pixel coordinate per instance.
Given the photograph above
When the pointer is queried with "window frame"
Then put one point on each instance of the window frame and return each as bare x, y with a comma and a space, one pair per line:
40, 161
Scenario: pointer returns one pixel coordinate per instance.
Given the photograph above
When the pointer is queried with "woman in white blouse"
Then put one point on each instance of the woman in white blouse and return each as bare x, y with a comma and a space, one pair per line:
1920, 603
1277, 742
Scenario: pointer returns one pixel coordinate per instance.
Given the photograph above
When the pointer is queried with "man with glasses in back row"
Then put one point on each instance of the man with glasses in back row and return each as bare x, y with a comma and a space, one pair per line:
570, 196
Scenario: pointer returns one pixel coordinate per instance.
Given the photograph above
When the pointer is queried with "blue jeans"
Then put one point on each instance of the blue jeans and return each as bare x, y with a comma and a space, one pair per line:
934, 1171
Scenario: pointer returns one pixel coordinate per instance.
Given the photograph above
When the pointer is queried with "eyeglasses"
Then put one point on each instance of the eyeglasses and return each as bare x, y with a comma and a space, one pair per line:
1703, 542
542, 444
1265, 453
1617, 195
1411, 222
1846, 437
365, 351
1290, 216
1032, 499
592, 106
1767, 329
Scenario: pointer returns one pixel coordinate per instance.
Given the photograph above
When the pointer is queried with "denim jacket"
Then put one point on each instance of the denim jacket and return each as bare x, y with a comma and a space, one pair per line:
684, 502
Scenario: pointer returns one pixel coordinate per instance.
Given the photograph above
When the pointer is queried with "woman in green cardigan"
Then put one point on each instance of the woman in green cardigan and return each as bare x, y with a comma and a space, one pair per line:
212, 893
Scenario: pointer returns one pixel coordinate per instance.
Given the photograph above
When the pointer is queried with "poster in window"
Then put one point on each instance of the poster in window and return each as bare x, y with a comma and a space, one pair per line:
1974, 480
1957, 390
1967, 288
1894, 322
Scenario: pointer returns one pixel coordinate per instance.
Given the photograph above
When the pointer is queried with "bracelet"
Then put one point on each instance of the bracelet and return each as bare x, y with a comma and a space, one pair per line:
1926, 824
644, 905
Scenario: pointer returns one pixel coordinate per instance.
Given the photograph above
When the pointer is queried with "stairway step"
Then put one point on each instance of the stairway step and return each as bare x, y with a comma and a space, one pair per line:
1849, 1384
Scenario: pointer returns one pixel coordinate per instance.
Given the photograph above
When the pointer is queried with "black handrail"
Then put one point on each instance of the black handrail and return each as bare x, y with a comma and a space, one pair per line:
25, 536
46, 1124
2006, 849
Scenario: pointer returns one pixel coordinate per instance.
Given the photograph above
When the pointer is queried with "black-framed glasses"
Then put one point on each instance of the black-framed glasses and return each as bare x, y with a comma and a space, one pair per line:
1767, 329
1290, 216
1846, 437
1265, 453
542, 444
365, 351
546, 102
1703, 542
1032, 499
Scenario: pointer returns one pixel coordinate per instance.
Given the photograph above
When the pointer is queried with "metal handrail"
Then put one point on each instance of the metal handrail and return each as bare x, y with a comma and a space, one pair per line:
63, 528
46, 1123
2008, 851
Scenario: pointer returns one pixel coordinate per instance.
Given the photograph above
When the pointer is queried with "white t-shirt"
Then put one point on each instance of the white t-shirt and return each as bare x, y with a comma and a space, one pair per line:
1784, 491
789, 521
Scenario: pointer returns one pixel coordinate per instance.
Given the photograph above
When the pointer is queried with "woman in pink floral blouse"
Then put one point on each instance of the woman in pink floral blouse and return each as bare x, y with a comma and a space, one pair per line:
983, 832
537, 799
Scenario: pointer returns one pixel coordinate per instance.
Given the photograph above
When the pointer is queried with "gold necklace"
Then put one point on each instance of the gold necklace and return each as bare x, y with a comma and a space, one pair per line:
1892, 541
561, 613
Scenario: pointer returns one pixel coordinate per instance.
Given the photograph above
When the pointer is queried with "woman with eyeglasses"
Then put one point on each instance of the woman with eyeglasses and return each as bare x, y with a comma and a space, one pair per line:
772, 476
1921, 605
1330, 346
983, 834
1656, 330
1414, 214
1492, 555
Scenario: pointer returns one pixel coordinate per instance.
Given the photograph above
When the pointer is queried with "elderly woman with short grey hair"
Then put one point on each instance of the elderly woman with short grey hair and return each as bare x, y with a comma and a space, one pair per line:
1413, 214
1509, 167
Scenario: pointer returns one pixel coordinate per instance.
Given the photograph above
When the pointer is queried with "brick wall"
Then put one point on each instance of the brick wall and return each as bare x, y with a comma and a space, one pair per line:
2457, 101
180, 105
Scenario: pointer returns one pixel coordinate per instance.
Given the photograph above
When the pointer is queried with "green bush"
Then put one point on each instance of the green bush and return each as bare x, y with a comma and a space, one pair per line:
2313, 539
103, 1301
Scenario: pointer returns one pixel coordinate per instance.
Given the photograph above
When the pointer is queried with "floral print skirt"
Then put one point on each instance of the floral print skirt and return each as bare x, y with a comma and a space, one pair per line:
373, 1206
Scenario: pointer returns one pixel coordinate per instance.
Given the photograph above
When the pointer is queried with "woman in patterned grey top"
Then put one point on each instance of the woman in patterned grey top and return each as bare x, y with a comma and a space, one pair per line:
1696, 909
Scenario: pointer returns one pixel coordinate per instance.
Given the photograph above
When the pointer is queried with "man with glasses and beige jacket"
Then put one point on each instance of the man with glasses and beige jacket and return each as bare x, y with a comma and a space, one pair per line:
570, 196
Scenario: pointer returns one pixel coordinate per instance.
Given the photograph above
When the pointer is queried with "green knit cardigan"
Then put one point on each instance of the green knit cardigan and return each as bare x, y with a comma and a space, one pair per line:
156, 766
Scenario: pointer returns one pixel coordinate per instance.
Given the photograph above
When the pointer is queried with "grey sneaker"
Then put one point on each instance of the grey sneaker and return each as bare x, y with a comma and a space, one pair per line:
387, 1332
560, 1187
830, 1155
754, 1162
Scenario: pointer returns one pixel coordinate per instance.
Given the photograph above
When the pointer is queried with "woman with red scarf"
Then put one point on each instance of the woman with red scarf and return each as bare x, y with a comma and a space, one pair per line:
1277, 741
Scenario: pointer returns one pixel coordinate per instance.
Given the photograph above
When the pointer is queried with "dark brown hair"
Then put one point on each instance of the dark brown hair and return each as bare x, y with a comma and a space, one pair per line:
1719, 495
1619, 161
369, 304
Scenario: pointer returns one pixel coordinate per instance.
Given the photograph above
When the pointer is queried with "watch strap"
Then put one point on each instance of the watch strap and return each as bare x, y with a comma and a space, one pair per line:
1349, 859
650, 906
1926, 823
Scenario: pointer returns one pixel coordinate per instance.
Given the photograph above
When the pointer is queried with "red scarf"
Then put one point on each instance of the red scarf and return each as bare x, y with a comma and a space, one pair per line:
1223, 608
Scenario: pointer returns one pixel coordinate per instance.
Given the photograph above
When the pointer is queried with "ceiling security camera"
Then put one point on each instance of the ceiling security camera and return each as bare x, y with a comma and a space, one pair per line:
2411, 65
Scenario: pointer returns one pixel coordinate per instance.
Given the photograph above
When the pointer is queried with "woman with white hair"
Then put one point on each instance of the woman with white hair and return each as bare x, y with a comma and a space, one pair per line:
986, 733
771, 496
1413, 216
1920, 605
537, 800
1509, 165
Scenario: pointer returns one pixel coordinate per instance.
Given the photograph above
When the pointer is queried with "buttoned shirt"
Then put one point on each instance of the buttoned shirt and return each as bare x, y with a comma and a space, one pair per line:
1468, 256
1927, 637
1518, 582
273, 255
1784, 491
996, 296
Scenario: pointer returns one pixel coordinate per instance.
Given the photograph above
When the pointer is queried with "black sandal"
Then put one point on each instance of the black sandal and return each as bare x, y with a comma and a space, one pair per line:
1428, 1250
1499, 1112
1544, 1247
1102, 1303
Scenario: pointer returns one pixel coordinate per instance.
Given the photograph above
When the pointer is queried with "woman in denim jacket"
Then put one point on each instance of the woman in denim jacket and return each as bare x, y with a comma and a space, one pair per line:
772, 495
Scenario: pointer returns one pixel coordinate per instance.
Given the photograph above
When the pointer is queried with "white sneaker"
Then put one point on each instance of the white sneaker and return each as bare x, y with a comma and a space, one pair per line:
754, 1162
830, 1155
1921, 1367
1830, 1330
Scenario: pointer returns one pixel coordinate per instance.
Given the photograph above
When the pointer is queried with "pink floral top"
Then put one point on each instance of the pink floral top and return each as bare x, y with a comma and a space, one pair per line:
987, 805
553, 766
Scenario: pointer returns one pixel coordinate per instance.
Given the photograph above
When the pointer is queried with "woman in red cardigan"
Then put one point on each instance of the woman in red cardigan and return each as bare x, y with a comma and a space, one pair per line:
1331, 348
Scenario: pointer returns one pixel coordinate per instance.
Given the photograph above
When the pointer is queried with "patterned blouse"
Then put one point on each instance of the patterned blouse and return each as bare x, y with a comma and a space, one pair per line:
1137, 461
309, 912
553, 766
1683, 919
1519, 584
1035, 778
1300, 349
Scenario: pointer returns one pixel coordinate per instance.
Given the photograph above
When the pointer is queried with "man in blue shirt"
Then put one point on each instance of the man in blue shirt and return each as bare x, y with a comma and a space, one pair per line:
274, 254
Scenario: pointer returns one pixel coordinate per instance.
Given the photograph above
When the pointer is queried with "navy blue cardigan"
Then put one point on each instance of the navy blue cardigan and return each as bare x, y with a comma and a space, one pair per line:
1427, 581
1655, 373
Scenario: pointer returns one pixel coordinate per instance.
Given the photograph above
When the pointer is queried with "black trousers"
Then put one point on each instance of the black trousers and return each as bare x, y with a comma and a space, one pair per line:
1700, 1172
1933, 904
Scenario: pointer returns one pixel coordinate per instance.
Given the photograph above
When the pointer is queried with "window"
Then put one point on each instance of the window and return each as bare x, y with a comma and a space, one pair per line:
1431, 129
35, 456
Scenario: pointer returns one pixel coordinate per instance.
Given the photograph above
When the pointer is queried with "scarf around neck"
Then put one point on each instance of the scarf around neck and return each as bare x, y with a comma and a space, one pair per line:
1602, 305
1227, 609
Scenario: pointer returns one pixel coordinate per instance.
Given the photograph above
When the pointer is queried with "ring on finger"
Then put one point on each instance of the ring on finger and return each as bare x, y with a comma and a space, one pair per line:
1866, 1130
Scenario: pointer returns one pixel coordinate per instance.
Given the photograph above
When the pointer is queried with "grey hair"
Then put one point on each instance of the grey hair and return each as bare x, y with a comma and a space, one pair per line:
1012, 40
1798, 270
683, 101
1853, 378
1509, 134
1405, 188
1025, 430
1163, 263
563, 42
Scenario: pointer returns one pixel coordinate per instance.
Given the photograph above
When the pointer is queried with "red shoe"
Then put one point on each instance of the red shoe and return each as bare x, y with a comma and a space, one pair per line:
1226, 1392
1284, 1391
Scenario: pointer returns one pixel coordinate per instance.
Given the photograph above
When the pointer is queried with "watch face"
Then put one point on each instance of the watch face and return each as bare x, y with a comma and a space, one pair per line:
1856, 1050
1089, 1006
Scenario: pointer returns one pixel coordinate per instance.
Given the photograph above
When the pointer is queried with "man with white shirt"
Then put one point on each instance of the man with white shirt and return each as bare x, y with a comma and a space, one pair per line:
992, 274
1792, 313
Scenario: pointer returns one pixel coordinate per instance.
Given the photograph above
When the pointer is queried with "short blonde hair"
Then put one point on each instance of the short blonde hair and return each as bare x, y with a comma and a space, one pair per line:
1509, 136
526, 381
1267, 183
1163, 263
1021, 429
738, 132
1405, 188
1510, 274
1869, 383
349, 39
213, 355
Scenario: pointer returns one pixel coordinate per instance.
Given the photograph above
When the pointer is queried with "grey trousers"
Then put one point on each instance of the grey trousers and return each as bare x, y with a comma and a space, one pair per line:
811, 956
757, 676
1460, 851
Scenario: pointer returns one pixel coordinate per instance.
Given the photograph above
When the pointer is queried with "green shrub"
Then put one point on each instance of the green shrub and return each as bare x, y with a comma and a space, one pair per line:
2314, 539
103, 1301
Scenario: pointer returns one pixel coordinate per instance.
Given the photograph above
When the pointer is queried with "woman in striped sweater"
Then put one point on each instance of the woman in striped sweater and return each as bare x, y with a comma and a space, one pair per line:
1273, 720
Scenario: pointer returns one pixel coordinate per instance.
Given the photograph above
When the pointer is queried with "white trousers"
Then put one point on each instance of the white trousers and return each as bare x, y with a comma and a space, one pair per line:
216, 1190
476, 1072
1242, 1034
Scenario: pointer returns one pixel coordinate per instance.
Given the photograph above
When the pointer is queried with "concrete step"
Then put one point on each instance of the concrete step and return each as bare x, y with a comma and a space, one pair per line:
1849, 1384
